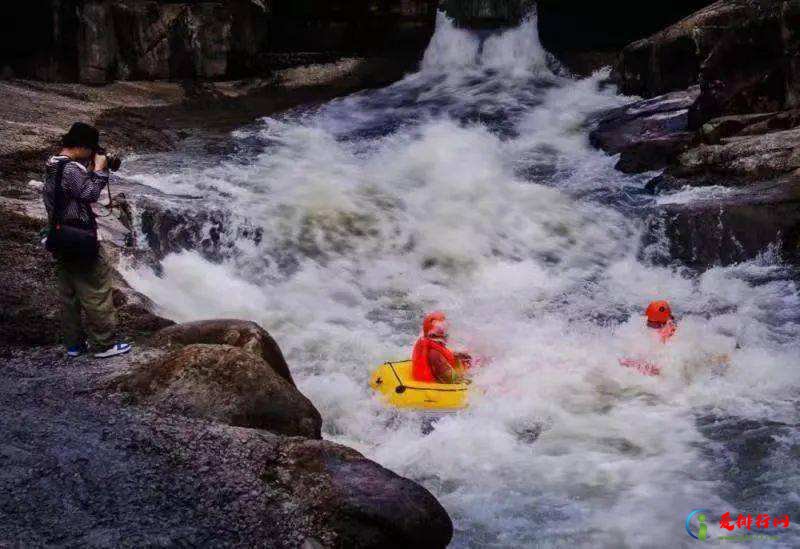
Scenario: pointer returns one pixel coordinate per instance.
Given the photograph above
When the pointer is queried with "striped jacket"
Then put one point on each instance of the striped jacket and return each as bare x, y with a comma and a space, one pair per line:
81, 188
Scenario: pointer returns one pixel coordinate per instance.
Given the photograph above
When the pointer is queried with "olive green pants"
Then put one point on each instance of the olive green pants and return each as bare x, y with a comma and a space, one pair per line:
85, 287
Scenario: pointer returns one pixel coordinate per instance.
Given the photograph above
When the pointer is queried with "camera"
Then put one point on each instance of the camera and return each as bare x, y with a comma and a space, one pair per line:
114, 161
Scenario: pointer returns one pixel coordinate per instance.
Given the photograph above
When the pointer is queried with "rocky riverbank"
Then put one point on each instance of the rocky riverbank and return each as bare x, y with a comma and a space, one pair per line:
200, 437
131, 452
721, 111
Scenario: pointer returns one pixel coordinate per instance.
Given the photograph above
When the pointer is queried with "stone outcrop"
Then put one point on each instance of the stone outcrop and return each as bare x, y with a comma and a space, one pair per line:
29, 305
98, 41
744, 54
231, 371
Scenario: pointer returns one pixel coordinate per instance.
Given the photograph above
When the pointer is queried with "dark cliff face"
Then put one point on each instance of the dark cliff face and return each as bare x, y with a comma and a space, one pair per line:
97, 41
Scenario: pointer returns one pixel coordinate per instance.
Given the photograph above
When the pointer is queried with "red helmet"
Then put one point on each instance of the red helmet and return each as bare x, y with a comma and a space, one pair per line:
430, 319
658, 312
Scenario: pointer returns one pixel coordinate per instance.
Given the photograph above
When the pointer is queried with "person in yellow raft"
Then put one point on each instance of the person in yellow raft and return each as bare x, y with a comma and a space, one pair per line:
432, 361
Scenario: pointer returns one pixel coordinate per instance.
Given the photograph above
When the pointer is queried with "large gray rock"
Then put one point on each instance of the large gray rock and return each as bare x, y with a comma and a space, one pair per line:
225, 384
149, 40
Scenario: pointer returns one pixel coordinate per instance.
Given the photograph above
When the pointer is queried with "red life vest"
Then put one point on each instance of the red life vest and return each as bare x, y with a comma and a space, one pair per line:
420, 368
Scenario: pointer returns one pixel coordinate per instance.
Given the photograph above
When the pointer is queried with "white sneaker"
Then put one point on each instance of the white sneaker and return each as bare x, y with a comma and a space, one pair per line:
118, 349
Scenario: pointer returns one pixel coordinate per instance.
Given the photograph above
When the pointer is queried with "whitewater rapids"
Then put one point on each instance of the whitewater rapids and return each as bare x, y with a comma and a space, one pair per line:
470, 187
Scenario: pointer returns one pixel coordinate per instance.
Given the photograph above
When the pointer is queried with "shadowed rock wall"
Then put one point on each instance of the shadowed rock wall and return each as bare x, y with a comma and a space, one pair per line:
97, 41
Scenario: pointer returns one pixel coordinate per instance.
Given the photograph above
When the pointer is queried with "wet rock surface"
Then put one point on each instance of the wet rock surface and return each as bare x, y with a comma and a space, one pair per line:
744, 157
648, 134
80, 468
762, 218
177, 224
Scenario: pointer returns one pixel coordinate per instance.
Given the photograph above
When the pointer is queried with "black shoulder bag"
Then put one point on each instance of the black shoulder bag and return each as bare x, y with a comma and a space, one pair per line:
69, 241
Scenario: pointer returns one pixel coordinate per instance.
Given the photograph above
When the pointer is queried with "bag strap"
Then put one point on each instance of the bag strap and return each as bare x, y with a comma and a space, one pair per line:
59, 201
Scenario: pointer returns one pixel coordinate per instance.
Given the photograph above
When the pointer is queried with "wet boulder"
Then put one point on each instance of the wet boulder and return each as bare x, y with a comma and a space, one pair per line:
360, 503
244, 334
222, 383
647, 134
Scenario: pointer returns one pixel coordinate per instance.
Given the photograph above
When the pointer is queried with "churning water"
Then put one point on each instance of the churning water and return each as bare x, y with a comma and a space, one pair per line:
470, 187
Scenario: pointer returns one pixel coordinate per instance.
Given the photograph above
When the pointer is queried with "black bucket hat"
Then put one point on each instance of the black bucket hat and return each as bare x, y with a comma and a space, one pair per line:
81, 135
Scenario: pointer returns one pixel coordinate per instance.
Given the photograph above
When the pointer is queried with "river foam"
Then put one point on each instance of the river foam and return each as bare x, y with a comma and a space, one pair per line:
470, 186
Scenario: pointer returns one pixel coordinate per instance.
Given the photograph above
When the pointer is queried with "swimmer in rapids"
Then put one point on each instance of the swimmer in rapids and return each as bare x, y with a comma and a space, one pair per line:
661, 323
432, 360
660, 319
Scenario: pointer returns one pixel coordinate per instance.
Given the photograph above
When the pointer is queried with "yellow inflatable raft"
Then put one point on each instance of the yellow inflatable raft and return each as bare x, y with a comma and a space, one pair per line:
394, 381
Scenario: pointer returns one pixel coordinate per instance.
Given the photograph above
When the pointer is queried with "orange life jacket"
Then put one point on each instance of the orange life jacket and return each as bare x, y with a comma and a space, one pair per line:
420, 368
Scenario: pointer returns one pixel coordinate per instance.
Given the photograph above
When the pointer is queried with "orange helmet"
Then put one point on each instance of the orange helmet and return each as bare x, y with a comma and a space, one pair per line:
430, 319
658, 312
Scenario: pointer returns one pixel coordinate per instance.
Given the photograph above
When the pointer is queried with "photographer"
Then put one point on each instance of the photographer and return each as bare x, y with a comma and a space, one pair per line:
74, 180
